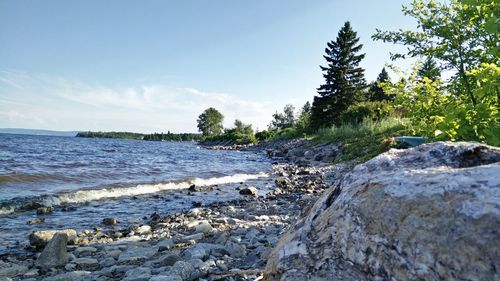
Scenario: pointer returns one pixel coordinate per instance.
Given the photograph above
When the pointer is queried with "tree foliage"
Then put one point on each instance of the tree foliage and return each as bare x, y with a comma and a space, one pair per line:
462, 36
210, 122
429, 69
344, 79
376, 92
283, 120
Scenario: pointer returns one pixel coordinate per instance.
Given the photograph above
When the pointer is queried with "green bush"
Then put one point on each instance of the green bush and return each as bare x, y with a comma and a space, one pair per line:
373, 110
264, 135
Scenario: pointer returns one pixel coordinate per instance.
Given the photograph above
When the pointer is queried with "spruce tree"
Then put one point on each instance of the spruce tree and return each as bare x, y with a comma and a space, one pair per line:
429, 69
376, 92
344, 79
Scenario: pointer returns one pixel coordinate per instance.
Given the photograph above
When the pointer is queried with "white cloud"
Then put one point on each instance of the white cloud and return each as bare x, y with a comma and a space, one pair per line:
70, 104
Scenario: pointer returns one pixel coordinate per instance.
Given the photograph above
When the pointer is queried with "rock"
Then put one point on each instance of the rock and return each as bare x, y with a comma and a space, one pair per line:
109, 221
182, 269
41, 238
5, 278
194, 188
194, 212
87, 264
252, 191
36, 221
69, 276
168, 259
426, 213
282, 182
138, 273
235, 250
44, 210
13, 270
204, 227
84, 251
166, 244
107, 262
166, 278
194, 237
136, 255
55, 253
144, 229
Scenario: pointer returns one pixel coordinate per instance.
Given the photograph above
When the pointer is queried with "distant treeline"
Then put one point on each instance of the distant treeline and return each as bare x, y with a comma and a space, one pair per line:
136, 136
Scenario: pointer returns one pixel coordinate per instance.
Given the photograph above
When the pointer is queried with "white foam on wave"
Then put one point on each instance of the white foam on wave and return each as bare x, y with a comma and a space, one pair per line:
83, 196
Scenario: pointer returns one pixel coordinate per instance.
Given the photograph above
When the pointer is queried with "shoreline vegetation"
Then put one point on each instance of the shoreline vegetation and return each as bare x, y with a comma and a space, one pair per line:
137, 136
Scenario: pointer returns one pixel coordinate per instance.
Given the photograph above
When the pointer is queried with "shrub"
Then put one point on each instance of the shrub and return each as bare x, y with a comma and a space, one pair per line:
373, 110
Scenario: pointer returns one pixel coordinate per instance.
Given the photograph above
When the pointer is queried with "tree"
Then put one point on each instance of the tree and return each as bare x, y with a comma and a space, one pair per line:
304, 120
461, 35
210, 122
376, 92
429, 69
344, 79
242, 128
283, 120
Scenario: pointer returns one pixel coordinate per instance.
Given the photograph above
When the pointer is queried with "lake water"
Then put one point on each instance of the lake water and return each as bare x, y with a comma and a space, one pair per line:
99, 178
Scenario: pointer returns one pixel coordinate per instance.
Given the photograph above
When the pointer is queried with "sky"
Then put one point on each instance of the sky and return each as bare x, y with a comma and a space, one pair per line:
154, 66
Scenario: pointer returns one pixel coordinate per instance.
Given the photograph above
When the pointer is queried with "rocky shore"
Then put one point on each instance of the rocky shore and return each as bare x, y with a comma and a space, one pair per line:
222, 241
426, 213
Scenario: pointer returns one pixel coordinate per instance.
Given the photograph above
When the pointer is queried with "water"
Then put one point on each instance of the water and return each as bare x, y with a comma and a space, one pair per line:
126, 179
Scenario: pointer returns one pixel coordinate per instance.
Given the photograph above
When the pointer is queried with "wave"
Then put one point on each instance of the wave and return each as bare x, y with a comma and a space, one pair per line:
82, 196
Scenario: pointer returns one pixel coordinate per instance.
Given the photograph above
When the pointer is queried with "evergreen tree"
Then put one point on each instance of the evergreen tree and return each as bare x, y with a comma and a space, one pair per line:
344, 79
376, 92
429, 69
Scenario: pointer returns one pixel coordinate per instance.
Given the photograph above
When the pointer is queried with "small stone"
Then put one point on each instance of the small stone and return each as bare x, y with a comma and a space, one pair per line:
138, 273
36, 221
144, 229
84, 251
194, 188
168, 259
70, 267
194, 237
203, 227
183, 269
136, 255
166, 278
250, 191
13, 270
166, 244
109, 221
194, 212
73, 275
44, 210
87, 264
107, 262
235, 250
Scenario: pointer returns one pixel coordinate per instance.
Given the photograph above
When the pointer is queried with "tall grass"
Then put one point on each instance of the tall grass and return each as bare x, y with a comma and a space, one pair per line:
366, 128
364, 140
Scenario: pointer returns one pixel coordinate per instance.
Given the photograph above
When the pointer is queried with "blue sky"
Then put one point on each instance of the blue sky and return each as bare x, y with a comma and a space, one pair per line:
151, 66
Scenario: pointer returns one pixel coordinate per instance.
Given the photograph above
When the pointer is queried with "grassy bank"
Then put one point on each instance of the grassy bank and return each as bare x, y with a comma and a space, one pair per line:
366, 139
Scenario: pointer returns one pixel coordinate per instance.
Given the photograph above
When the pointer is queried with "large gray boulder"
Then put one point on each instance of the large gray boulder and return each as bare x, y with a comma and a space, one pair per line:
55, 253
41, 238
426, 213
